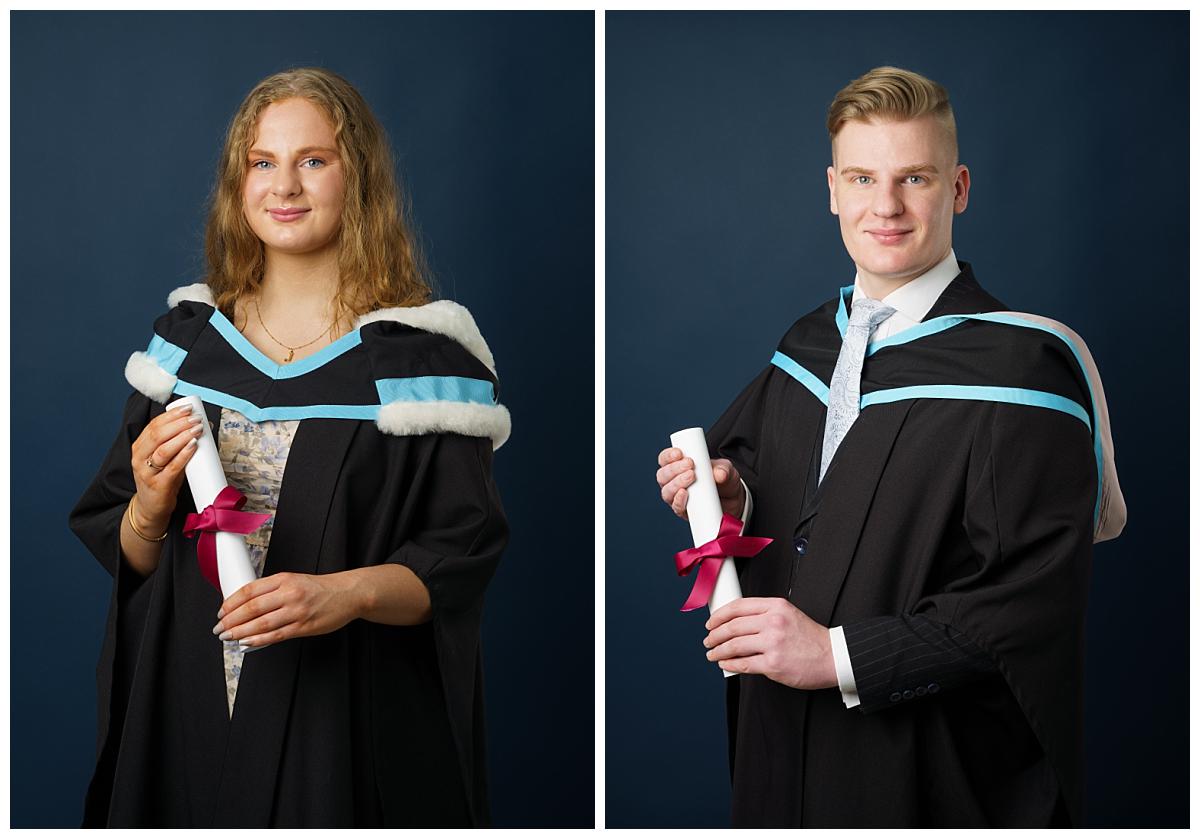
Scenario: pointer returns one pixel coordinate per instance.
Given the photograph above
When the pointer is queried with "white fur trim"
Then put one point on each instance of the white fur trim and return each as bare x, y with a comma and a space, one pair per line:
147, 377
444, 317
469, 418
197, 292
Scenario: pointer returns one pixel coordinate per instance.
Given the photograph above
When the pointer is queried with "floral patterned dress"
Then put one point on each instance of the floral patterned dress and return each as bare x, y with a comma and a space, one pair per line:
253, 455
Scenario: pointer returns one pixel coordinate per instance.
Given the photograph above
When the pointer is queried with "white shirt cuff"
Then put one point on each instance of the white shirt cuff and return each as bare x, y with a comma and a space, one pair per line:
749, 506
841, 660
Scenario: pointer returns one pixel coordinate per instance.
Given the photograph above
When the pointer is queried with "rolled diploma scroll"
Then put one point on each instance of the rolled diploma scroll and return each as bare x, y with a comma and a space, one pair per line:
704, 514
206, 477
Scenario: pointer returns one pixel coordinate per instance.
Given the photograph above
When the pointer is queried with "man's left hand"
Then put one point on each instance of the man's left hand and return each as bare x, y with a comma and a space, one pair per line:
770, 636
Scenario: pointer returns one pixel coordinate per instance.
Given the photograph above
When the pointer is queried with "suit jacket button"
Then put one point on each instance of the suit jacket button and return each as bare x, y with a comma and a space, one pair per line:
908, 694
801, 545
895, 697
933, 687
919, 691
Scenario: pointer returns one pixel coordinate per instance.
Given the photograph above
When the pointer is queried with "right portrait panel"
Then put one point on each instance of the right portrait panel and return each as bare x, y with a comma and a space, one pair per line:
889, 299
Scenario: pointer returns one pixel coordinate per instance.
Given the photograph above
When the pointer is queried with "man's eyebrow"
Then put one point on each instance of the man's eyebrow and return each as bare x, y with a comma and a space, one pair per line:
305, 150
907, 170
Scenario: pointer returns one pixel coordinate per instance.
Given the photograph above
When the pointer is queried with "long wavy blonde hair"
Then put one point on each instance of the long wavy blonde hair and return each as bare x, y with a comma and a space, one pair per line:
379, 263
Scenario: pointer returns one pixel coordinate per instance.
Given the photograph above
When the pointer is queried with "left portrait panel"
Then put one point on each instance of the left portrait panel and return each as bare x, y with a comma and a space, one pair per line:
294, 301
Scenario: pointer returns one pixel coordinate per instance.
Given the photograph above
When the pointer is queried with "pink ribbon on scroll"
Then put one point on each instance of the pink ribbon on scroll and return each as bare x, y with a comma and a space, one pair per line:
225, 515
709, 556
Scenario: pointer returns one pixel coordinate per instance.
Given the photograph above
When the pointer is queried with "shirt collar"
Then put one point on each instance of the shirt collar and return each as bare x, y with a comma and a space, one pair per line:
916, 297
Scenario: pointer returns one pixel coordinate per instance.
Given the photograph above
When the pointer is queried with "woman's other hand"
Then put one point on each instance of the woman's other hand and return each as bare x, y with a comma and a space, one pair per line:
288, 605
159, 456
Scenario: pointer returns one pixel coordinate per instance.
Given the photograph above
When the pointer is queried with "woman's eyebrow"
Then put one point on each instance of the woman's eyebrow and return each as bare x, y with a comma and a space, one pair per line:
305, 150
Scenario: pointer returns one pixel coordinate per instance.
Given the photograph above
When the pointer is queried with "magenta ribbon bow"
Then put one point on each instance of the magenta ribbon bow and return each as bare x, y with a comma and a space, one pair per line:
709, 556
225, 515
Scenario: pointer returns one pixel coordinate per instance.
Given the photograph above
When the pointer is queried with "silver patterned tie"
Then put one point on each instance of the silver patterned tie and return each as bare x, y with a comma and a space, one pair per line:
844, 390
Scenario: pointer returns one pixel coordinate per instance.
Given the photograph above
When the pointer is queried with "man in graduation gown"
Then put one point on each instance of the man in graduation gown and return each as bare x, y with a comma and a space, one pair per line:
911, 643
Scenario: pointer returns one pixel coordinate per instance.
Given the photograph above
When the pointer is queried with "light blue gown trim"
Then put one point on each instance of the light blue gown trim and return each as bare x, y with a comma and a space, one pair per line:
842, 318
271, 368
1012, 395
168, 356
805, 377
435, 389
414, 389
940, 324
920, 330
281, 412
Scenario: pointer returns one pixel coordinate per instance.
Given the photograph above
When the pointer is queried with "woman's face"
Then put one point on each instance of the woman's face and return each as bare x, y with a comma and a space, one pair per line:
295, 184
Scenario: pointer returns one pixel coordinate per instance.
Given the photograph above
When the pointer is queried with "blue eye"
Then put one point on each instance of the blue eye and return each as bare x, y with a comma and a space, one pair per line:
862, 180
916, 179
255, 165
315, 160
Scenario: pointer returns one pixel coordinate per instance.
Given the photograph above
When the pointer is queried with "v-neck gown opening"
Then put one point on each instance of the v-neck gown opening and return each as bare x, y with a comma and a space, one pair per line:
253, 455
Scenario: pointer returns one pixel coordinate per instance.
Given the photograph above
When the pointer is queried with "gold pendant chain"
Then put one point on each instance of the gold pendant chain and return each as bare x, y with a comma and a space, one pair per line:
291, 350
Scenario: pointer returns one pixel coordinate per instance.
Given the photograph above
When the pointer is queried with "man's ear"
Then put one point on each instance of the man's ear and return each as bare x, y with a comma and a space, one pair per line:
832, 192
962, 186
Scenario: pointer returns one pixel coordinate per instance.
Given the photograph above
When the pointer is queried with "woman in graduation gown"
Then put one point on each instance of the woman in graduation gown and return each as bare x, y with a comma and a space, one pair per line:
359, 701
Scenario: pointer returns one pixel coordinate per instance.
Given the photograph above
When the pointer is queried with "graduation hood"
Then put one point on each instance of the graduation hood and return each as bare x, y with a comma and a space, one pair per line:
408, 382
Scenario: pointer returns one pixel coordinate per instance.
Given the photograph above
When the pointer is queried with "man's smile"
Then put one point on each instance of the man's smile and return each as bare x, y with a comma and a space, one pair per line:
886, 236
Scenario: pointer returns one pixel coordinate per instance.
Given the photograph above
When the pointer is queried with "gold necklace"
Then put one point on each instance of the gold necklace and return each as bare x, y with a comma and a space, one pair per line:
291, 350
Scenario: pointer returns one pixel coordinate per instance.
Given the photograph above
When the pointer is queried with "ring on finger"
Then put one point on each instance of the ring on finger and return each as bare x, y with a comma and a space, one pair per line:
150, 462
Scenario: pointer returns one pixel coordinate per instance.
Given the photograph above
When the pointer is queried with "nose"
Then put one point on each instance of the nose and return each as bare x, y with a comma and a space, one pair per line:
285, 183
886, 201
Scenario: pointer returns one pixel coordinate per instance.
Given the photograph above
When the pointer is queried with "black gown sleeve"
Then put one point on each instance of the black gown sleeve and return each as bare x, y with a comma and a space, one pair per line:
463, 529
737, 434
1028, 517
96, 520
454, 550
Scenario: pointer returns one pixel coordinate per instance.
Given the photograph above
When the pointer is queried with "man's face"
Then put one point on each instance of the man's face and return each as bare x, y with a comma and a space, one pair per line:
895, 188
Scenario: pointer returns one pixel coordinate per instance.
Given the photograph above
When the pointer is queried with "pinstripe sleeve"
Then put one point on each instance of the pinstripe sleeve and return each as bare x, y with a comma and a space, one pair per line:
902, 659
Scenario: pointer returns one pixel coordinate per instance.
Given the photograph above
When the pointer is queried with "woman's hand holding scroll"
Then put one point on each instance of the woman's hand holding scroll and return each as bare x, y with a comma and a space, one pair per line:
159, 456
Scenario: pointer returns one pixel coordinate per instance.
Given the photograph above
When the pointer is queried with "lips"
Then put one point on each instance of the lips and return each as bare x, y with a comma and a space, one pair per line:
888, 237
289, 214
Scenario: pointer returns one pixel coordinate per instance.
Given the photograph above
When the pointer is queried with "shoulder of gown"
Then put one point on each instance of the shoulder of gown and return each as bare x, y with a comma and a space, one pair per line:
413, 370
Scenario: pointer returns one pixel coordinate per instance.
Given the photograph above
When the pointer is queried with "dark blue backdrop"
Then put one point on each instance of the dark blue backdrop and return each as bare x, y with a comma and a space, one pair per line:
719, 236
118, 120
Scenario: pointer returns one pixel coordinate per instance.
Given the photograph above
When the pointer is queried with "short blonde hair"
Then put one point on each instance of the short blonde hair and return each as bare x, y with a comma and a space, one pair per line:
894, 95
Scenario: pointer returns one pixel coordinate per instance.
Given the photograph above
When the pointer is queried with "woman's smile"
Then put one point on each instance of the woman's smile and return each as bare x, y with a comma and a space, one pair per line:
287, 215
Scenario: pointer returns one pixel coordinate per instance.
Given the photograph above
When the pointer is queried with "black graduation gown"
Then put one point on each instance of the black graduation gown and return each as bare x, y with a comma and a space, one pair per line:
371, 725
963, 527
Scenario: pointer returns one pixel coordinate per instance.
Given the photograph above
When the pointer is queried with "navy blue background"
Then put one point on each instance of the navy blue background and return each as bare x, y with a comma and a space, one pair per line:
118, 121
1074, 127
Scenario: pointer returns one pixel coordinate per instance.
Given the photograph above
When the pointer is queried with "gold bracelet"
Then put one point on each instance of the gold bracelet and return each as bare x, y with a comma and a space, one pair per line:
129, 512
